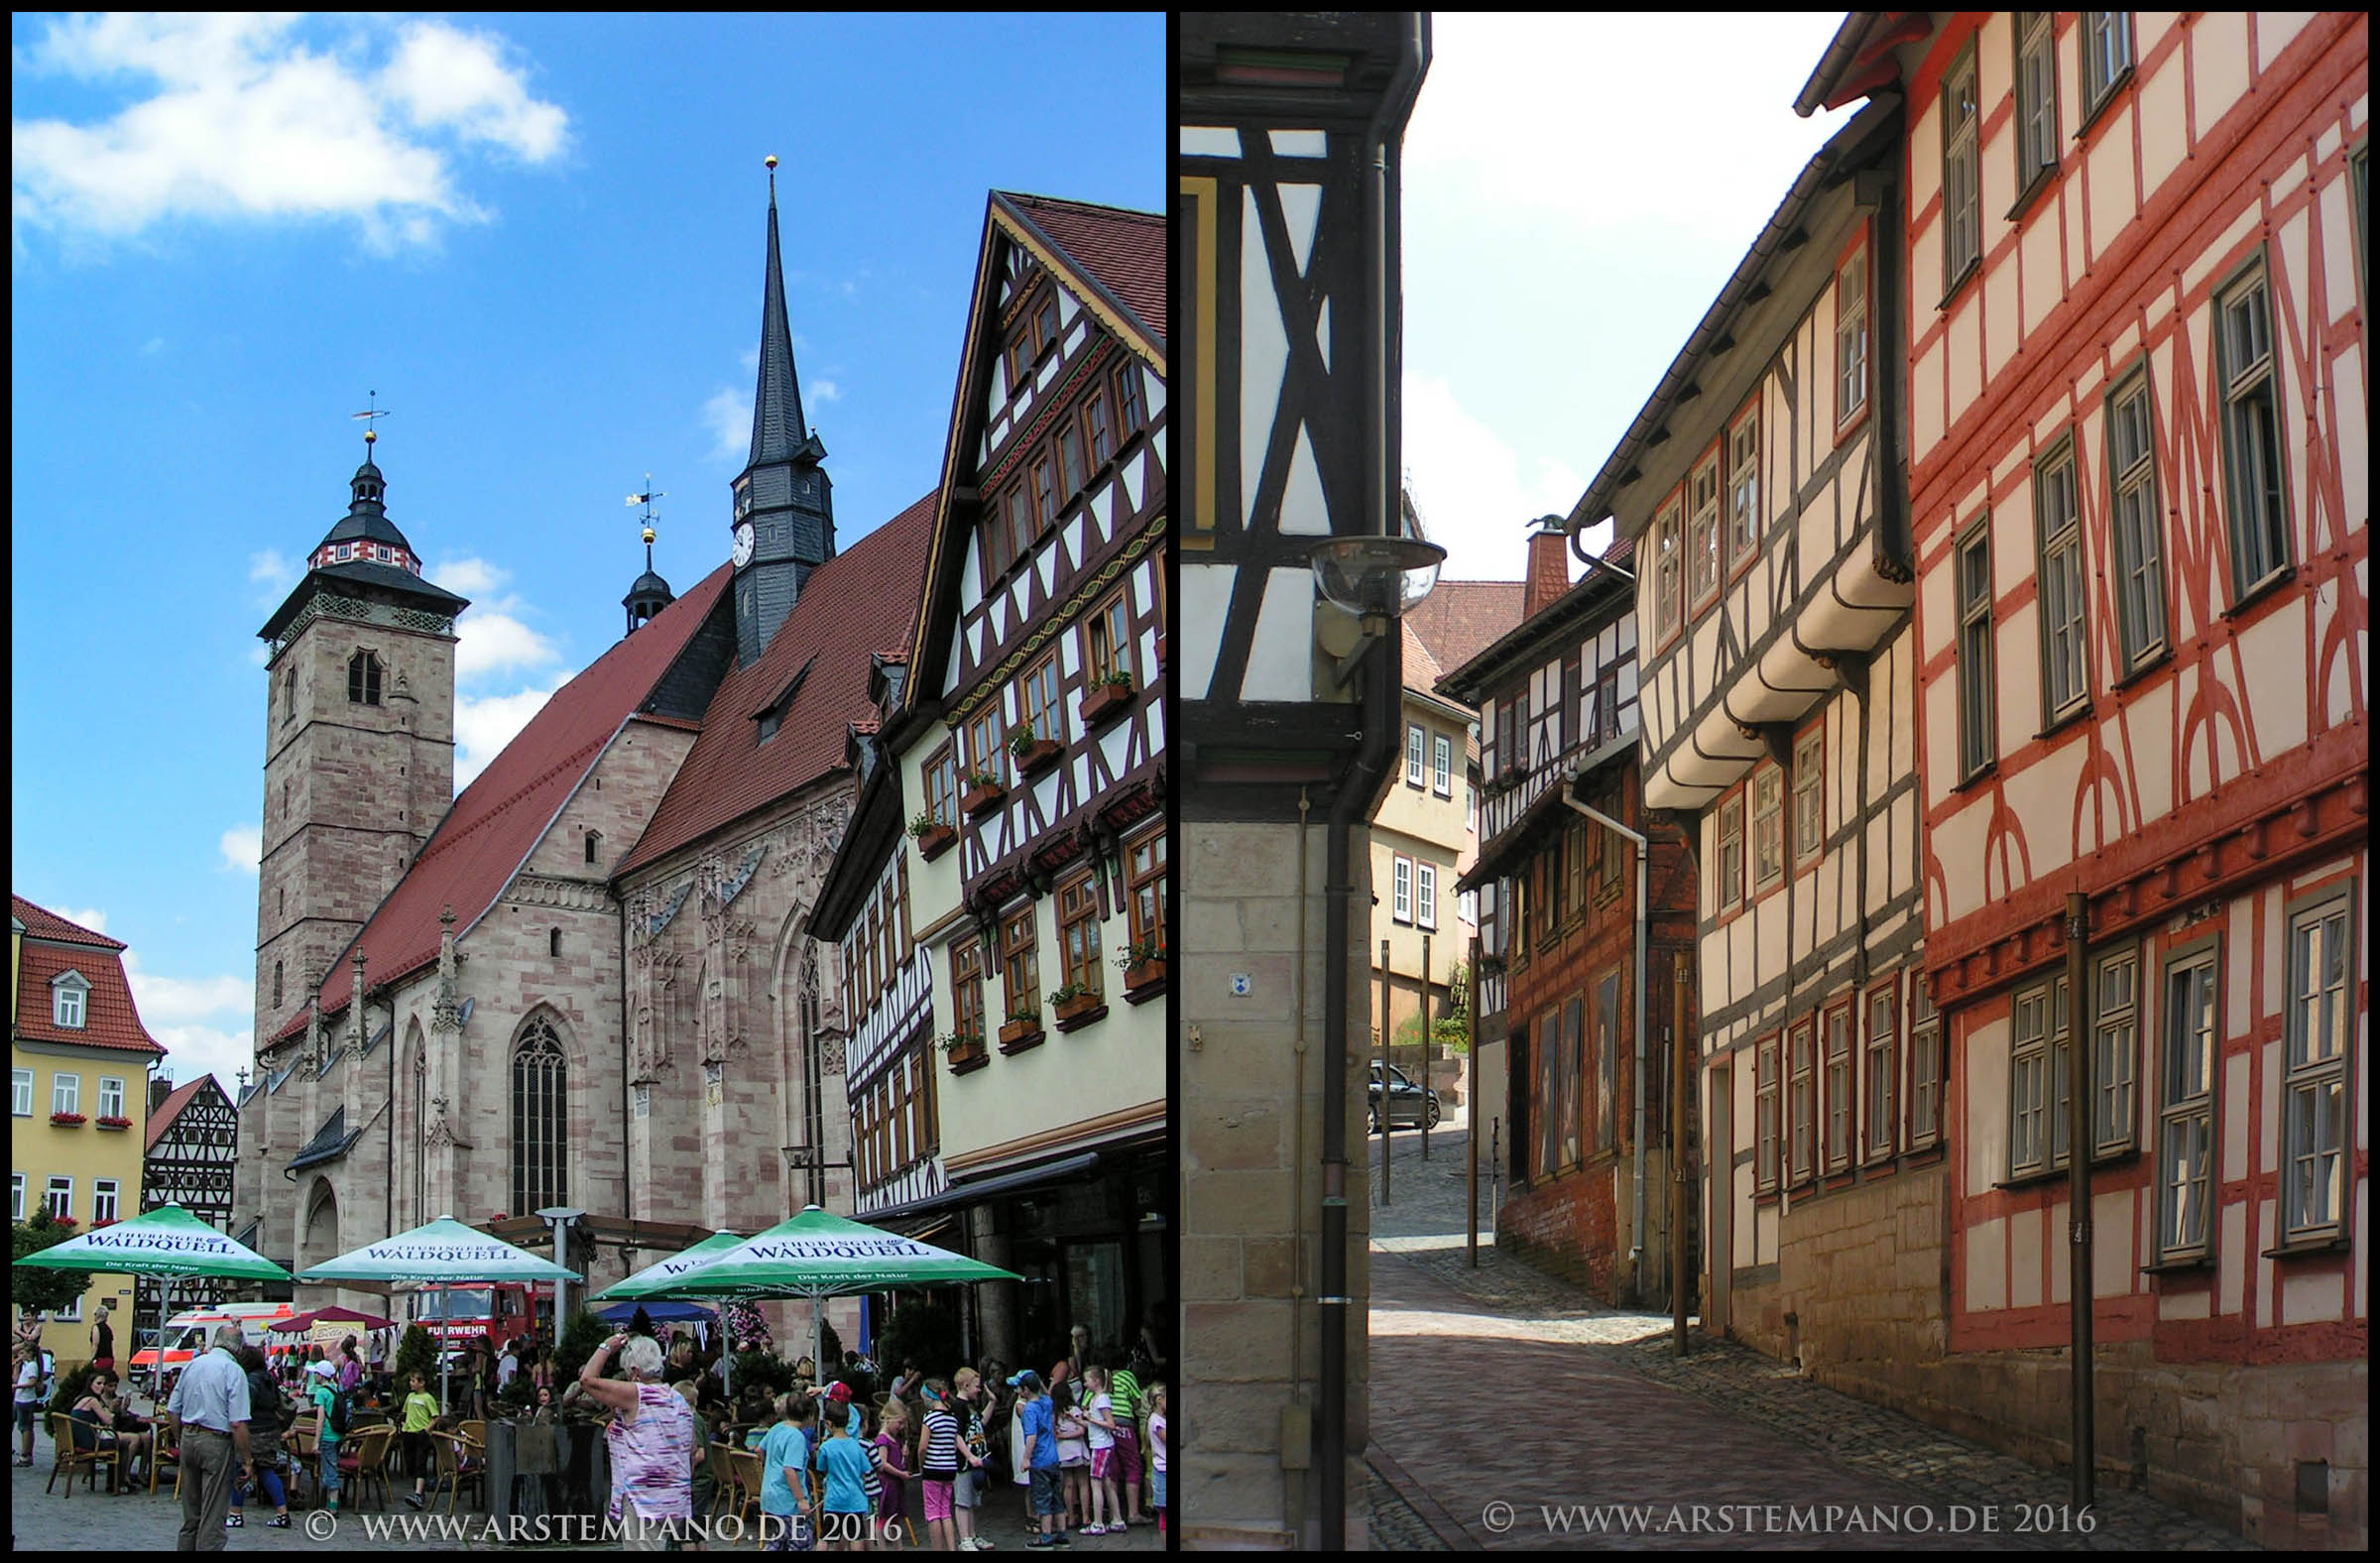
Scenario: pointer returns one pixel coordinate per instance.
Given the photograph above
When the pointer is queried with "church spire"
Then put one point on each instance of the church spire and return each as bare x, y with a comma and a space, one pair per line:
778, 431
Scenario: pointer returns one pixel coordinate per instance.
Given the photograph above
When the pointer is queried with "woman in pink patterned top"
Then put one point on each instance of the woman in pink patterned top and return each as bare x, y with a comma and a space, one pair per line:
652, 1443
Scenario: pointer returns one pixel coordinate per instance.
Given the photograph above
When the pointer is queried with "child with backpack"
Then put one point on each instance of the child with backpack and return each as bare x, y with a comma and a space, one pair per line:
322, 1388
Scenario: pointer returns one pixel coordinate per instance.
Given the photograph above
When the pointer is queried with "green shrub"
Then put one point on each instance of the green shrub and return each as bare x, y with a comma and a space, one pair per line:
580, 1337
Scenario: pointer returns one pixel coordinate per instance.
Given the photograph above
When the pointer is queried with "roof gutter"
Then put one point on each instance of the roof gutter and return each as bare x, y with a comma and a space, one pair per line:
1815, 177
1840, 51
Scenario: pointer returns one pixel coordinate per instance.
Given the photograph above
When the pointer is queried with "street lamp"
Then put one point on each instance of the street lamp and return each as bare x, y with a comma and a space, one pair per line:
1376, 579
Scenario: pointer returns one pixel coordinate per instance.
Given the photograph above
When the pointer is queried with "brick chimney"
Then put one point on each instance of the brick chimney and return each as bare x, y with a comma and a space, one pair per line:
1549, 565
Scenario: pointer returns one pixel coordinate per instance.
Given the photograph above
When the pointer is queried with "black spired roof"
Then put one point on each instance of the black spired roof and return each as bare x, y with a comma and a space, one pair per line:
367, 518
778, 431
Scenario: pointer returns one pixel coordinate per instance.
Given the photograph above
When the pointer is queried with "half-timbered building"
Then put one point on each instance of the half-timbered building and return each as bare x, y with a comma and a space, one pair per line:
1011, 946
1285, 250
1557, 896
2133, 250
1761, 487
192, 1147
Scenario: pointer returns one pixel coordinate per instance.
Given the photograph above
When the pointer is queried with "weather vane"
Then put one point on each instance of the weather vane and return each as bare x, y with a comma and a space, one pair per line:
373, 411
646, 499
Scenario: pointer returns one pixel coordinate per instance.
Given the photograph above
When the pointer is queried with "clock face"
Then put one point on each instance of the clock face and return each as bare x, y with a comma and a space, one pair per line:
744, 545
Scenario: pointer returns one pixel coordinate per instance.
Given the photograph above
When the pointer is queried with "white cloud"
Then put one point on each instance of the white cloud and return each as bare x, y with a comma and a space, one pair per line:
475, 579
1475, 498
176, 1001
261, 654
247, 122
826, 391
729, 415
483, 725
490, 637
154, 345
243, 848
194, 1050
269, 567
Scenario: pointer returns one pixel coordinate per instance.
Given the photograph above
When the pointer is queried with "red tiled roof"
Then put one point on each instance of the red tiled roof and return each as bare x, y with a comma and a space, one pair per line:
171, 1109
489, 832
1125, 250
109, 1017
41, 923
1461, 619
843, 610
1421, 668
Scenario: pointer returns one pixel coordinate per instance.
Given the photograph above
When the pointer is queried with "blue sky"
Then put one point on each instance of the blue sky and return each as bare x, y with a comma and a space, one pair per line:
540, 240
1566, 226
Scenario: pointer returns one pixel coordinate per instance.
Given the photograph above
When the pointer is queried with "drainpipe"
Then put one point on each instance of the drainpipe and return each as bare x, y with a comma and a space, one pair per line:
1297, 1427
1636, 1231
1355, 790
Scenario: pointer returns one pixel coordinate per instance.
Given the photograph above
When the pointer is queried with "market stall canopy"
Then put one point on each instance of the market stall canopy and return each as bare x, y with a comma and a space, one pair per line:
167, 1241
306, 1321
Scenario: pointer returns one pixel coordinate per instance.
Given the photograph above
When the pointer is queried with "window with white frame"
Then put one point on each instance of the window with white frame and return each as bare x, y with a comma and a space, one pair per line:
2186, 1104
1850, 336
111, 1096
1442, 764
2257, 513
1801, 1101
1413, 755
1470, 806
1961, 189
1841, 1091
1404, 890
2114, 1054
16, 1200
67, 994
2038, 1084
1764, 1116
59, 1197
1426, 902
21, 1096
1883, 1060
1467, 906
2106, 55
2036, 96
1924, 1065
1809, 823
2322, 1021
2139, 530
1730, 851
2058, 521
65, 1093
1976, 738
103, 1200
1743, 488
1705, 542
1769, 827
1668, 571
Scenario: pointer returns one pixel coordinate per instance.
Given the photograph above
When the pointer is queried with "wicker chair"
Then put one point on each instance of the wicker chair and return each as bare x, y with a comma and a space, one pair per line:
746, 1464
164, 1446
364, 1460
460, 1463
72, 1460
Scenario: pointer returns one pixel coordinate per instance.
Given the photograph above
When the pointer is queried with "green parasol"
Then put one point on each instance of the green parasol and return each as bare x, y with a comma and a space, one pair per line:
656, 1282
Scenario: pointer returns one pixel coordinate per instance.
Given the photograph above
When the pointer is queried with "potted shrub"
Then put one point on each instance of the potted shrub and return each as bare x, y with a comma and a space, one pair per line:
983, 791
1107, 699
107, 1121
1144, 964
1032, 755
966, 1050
1077, 1004
931, 835
1022, 1030
69, 1120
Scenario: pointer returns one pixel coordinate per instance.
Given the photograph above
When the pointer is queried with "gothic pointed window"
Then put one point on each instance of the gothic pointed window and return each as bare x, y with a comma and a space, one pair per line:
540, 1118
363, 679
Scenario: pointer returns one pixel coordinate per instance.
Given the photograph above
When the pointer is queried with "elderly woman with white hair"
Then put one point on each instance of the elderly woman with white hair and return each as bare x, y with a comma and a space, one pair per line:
652, 1443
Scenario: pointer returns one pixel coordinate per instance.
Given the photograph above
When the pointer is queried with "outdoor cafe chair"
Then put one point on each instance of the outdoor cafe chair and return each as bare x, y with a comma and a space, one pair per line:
363, 1462
459, 1463
746, 1464
72, 1460
167, 1445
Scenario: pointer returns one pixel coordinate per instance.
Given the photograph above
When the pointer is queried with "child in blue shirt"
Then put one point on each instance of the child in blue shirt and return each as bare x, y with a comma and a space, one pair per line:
786, 1493
845, 1460
1036, 1429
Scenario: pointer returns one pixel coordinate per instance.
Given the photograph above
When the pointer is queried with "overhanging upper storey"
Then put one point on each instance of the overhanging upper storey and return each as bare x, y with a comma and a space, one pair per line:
1763, 481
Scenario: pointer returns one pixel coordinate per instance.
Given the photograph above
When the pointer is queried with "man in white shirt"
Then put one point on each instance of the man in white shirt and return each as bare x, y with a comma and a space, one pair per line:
211, 1400
507, 1365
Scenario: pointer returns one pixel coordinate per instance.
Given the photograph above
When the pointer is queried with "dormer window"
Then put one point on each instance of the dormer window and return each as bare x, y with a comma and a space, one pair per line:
69, 995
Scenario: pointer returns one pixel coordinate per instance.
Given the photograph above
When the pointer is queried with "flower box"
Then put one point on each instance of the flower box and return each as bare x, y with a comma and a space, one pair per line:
1017, 1035
967, 1054
114, 1123
69, 1120
1079, 1010
936, 840
1104, 702
982, 798
1038, 755
1144, 979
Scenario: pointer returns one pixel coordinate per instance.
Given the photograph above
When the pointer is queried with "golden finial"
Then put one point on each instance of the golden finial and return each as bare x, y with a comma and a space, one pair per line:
369, 437
770, 161
648, 536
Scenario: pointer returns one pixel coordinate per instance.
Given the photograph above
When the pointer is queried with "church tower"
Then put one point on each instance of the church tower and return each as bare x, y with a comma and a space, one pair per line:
359, 743
784, 513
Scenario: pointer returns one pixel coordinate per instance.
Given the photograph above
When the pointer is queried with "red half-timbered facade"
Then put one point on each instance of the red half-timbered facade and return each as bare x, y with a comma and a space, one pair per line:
2135, 260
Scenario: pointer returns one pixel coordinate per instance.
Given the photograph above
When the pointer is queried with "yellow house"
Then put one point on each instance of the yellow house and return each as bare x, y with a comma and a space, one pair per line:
79, 1062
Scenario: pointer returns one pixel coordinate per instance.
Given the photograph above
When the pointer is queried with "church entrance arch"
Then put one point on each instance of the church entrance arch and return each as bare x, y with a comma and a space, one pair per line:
318, 1231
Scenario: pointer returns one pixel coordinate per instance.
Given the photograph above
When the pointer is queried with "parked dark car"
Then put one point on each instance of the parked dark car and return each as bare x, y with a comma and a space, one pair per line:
1407, 1102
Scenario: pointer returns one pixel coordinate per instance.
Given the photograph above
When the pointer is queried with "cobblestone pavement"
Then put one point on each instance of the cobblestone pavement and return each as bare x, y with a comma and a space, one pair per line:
1504, 1383
139, 1522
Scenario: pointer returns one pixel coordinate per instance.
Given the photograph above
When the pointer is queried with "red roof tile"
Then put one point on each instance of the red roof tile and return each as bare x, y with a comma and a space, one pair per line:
1421, 668
842, 613
1124, 250
171, 1109
1461, 619
489, 832
41, 923
109, 1017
